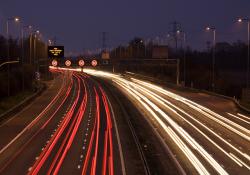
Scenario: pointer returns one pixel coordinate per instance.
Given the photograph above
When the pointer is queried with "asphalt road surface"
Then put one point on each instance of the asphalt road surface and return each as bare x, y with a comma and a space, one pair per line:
95, 122
74, 127
204, 138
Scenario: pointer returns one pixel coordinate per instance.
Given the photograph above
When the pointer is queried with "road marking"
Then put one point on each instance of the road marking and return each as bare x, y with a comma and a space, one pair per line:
118, 139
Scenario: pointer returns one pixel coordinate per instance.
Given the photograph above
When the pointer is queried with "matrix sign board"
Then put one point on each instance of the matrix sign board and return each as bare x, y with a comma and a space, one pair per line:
56, 51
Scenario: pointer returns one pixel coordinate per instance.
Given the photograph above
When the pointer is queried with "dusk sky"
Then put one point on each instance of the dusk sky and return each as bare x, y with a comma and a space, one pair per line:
78, 24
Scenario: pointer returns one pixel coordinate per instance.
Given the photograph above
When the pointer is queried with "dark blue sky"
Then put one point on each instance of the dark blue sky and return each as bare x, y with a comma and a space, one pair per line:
78, 23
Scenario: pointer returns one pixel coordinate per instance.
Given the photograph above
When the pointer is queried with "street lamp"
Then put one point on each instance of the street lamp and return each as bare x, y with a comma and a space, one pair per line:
22, 46
213, 29
36, 33
185, 45
15, 19
29, 27
240, 20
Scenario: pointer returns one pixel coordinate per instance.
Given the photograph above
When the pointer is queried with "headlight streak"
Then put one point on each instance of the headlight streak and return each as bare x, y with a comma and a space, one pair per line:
238, 118
205, 111
163, 101
132, 88
240, 152
182, 146
182, 132
244, 116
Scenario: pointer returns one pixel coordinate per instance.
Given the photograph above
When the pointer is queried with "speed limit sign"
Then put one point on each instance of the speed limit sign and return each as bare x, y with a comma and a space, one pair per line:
68, 63
81, 63
94, 63
54, 63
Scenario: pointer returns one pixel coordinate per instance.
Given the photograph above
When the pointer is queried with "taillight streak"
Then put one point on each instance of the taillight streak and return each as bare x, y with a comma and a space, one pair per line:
46, 152
75, 129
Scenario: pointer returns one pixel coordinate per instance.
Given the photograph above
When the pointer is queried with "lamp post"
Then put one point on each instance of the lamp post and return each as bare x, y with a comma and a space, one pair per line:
213, 29
35, 38
15, 19
184, 55
29, 27
22, 48
248, 46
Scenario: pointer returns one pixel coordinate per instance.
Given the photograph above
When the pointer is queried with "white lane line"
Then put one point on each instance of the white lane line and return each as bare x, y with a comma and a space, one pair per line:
118, 139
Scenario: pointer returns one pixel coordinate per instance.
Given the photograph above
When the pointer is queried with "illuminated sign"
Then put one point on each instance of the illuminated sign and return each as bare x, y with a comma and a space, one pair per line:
81, 63
68, 63
94, 63
54, 63
55, 51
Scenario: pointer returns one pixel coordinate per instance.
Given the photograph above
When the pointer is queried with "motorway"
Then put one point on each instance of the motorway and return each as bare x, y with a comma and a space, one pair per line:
202, 140
95, 122
73, 128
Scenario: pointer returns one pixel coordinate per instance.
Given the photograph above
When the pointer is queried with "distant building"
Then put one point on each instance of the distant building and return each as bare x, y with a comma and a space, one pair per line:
160, 52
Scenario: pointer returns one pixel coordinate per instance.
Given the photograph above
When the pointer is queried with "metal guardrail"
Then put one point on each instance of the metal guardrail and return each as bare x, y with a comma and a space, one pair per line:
9, 62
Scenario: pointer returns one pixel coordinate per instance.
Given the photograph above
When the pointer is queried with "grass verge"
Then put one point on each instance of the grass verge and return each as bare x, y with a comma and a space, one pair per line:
10, 102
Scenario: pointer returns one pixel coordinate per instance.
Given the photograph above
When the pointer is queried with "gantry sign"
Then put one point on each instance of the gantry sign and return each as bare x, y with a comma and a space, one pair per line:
55, 51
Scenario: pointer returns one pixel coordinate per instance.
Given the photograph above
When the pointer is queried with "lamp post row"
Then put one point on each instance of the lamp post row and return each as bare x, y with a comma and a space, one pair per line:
213, 29
247, 20
23, 28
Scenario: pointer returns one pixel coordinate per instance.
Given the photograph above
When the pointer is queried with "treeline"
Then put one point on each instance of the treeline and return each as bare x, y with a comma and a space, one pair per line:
21, 76
230, 65
230, 68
